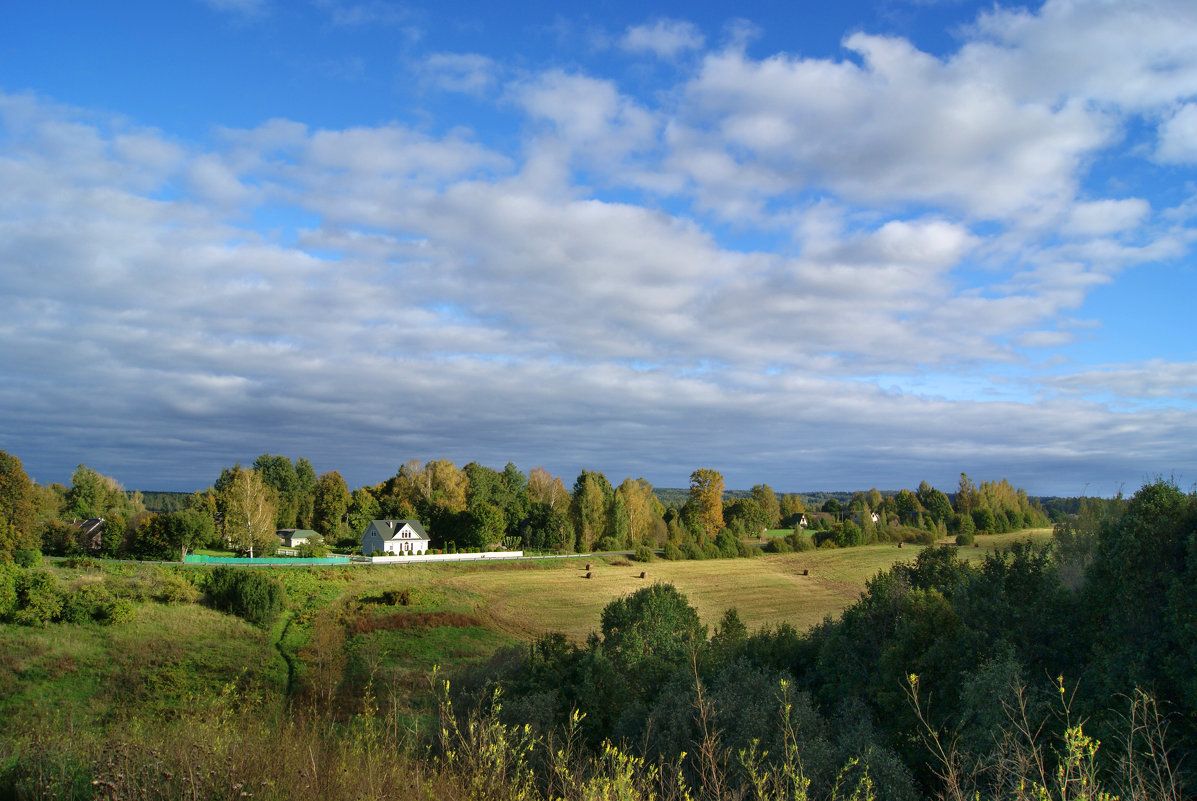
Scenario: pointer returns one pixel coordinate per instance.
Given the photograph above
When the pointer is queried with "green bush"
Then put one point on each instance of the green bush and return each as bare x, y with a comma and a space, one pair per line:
246, 593
965, 538
39, 600
9, 575
800, 541
673, 553
643, 554
780, 545
94, 602
27, 557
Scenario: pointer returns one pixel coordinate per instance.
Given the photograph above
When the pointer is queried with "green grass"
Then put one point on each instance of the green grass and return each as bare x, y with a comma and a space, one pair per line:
174, 661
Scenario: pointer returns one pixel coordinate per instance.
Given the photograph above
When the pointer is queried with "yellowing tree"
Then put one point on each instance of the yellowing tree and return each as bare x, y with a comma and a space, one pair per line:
247, 512
706, 493
642, 507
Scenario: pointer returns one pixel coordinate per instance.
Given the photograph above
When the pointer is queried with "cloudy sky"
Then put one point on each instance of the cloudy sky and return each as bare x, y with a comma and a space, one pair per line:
822, 249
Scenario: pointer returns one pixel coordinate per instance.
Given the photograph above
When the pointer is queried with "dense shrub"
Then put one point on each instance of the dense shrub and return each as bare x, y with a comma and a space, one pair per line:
643, 554
39, 601
94, 602
965, 539
673, 553
778, 545
9, 574
27, 557
246, 593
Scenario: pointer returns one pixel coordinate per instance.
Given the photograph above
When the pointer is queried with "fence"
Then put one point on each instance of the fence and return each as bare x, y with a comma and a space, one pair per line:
204, 559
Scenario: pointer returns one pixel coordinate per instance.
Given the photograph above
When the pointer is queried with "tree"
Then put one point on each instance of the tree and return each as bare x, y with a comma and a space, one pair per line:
642, 508
766, 499
907, 506
966, 495
331, 503
363, 507
247, 512
18, 507
935, 502
706, 493
590, 509
748, 513
546, 488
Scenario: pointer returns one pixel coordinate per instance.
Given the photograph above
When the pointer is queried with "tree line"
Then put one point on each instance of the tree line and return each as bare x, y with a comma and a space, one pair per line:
475, 507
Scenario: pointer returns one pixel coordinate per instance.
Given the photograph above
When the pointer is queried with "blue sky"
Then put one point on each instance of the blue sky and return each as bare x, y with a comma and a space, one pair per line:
822, 247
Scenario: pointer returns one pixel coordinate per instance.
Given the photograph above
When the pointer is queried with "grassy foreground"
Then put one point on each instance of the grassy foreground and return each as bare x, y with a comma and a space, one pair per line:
181, 673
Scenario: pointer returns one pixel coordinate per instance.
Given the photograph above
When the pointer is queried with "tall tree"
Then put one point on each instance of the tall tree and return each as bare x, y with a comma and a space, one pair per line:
330, 504
766, 499
590, 509
18, 507
706, 493
247, 512
642, 507
543, 487
966, 495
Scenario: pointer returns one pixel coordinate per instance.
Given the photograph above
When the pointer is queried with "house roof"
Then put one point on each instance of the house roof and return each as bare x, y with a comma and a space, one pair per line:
389, 528
292, 533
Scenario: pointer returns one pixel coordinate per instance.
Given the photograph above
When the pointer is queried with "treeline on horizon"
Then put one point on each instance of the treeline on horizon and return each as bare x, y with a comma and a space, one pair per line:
475, 507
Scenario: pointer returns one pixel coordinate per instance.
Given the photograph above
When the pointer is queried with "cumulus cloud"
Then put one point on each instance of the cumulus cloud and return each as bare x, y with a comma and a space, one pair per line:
718, 273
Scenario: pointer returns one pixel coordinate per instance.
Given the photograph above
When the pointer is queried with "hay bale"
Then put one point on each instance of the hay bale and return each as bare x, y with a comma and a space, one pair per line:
643, 573
587, 574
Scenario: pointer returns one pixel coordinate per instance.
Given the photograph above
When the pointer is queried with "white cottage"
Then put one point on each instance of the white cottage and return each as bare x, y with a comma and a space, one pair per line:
395, 537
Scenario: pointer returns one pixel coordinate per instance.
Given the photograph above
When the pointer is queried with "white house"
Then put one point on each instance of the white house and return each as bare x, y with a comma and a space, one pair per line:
395, 537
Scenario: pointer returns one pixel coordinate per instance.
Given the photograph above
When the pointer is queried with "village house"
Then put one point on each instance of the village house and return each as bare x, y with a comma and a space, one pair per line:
395, 537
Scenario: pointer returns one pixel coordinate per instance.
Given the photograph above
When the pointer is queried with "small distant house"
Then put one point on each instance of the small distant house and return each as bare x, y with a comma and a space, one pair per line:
802, 521
294, 537
91, 533
395, 537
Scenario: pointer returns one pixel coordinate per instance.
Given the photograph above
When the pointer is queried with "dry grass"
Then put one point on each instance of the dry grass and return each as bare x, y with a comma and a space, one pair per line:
525, 603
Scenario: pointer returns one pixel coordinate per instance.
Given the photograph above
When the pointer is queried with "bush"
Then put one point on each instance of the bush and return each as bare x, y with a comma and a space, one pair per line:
800, 541
93, 602
965, 538
780, 545
39, 600
643, 554
27, 557
246, 593
673, 553
9, 575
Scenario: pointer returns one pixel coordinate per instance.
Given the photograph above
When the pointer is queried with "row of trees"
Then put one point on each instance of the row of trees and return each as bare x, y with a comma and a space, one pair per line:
463, 508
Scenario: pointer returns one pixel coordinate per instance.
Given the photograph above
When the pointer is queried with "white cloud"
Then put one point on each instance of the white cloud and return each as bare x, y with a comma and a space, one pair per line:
1178, 136
723, 267
664, 38
467, 73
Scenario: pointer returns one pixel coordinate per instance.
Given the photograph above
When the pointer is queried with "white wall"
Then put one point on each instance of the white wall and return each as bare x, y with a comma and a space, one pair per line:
447, 557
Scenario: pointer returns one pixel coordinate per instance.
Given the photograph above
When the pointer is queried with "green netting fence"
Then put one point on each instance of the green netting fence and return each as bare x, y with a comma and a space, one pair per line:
204, 559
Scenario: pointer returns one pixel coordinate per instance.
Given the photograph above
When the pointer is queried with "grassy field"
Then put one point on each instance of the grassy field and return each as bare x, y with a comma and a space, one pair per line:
524, 601
176, 657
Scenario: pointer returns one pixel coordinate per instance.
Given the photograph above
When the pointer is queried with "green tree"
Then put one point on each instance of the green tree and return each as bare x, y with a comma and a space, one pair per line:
590, 509
18, 508
748, 513
766, 499
706, 495
331, 504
